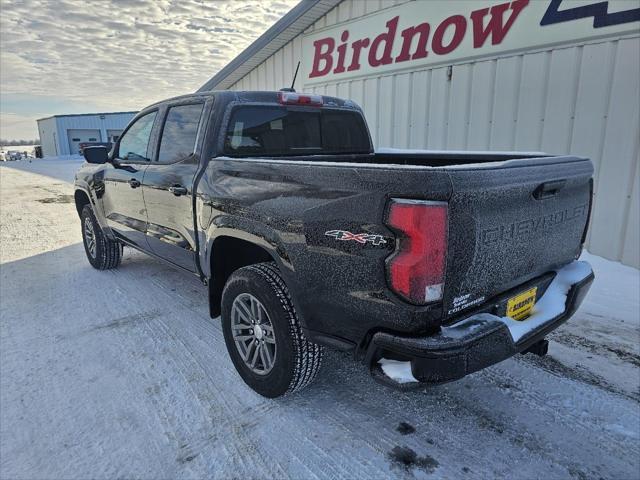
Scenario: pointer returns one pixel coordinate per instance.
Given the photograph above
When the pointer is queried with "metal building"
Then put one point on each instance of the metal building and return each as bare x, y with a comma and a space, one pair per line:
62, 134
541, 75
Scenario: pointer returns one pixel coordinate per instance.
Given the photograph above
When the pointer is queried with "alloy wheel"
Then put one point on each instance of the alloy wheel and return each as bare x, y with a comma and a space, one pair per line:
90, 237
253, 333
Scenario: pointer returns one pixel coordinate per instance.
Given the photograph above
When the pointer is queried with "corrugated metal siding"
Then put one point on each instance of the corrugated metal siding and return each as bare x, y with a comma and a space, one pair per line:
582, 100
46, 130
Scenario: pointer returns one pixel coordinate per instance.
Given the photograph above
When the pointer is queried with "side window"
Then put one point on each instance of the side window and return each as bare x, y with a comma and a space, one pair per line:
179, 133
135, 142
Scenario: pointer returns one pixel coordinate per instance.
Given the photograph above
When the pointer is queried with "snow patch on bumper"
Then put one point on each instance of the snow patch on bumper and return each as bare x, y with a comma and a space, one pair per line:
552, 303
397, 371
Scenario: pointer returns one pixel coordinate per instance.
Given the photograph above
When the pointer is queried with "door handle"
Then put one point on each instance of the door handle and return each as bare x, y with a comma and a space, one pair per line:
177, 190
548, 189
133, 183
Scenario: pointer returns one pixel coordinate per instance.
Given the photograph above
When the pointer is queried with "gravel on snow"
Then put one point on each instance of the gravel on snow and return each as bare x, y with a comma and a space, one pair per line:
123, 374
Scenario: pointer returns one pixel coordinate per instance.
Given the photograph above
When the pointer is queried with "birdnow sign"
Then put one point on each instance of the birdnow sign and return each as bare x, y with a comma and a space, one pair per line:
418, 34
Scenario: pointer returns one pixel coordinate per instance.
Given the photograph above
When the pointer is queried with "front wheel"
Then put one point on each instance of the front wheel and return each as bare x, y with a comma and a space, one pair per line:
263, 334
102, 252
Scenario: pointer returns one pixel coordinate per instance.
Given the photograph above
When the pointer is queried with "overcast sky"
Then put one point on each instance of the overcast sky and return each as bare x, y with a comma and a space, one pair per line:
73, 56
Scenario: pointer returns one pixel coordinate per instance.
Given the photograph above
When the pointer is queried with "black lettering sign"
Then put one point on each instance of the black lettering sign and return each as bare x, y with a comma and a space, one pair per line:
599, 11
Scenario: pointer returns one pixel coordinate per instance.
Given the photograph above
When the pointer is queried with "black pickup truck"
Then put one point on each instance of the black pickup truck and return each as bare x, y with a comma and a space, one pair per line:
426, 265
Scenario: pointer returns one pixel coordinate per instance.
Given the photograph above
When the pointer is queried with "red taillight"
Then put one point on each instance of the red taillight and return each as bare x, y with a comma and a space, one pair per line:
416, 270
292, 98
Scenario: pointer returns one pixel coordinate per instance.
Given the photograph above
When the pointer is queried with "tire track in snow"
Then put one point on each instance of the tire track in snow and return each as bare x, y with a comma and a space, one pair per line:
323, 461
557, 414
229, 419
577, 341
470, 410
241, 446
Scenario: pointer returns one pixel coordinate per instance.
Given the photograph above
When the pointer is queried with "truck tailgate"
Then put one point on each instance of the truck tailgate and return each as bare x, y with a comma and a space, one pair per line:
512, 222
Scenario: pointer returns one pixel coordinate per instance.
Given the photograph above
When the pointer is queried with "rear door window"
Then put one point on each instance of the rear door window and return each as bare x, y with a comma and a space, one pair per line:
180, 132
272, 131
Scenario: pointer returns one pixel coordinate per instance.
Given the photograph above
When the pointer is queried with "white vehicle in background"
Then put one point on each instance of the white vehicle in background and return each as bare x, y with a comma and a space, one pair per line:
3, 156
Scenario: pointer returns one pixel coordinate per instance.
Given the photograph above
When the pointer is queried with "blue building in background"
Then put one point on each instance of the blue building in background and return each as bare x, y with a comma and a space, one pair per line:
62, 134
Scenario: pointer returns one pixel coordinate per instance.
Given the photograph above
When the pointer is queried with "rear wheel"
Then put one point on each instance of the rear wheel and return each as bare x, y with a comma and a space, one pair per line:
102, 252
263, 334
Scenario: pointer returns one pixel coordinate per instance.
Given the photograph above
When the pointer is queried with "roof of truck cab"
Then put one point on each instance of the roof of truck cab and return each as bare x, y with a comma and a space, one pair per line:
241, 95
183, 97
206, 94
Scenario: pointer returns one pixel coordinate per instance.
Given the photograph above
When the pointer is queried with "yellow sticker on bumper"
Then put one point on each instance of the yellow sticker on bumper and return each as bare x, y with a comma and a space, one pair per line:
519, 307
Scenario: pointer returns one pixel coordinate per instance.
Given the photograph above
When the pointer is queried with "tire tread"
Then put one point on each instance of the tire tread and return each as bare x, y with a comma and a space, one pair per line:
308, 355
109, 251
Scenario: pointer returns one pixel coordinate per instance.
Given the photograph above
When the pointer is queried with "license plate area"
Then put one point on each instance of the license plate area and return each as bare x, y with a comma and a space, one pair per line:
520, 306
498, 305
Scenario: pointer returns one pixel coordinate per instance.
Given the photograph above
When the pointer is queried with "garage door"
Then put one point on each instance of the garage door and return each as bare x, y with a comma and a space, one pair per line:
76, 136
113, 135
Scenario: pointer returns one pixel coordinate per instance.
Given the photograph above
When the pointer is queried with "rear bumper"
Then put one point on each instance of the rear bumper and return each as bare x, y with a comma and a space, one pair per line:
469, 345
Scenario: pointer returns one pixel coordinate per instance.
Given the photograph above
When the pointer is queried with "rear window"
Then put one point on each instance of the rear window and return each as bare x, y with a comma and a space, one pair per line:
180, 132
272, 131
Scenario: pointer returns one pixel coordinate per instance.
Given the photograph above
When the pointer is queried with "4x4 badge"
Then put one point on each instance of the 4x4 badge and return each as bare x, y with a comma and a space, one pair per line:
356, 237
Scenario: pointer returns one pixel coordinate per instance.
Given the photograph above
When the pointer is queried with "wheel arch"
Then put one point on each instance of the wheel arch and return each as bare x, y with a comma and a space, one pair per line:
228, 253
81, 199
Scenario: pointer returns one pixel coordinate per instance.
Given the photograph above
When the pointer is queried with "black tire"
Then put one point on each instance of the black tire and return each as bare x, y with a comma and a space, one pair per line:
297, 360
106, 253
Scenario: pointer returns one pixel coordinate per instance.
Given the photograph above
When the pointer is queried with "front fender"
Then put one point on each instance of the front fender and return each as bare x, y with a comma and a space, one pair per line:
92, 190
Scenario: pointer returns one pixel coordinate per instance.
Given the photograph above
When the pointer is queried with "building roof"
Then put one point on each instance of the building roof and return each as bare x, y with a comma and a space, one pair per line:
299, 18
86, 115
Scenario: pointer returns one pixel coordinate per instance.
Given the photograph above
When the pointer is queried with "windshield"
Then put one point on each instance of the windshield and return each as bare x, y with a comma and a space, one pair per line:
273, 130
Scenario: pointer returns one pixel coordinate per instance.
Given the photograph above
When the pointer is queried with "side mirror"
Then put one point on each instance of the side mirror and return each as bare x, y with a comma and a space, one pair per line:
96, 154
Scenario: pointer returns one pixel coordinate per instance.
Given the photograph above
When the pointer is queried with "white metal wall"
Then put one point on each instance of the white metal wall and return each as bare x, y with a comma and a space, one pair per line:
48, 132
583, 100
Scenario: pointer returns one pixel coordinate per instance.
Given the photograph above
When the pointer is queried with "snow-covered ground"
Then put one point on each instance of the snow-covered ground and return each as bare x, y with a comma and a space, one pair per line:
122, 374
60, 168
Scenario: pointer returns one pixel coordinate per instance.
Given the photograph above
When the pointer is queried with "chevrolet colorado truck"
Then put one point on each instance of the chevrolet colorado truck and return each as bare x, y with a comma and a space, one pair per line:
427, 266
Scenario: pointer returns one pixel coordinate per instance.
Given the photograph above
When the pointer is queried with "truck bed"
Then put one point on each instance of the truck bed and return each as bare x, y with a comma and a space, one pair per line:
447, 158
392, 158
511, 219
